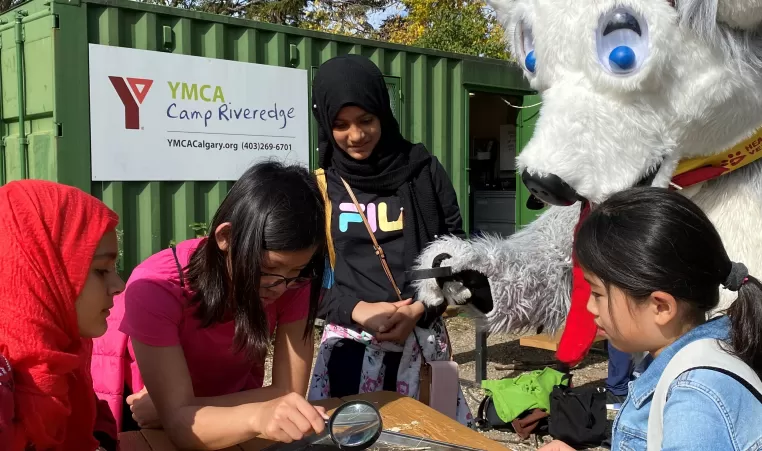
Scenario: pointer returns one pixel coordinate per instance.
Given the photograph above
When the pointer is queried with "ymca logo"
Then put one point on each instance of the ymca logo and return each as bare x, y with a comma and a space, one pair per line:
132, 92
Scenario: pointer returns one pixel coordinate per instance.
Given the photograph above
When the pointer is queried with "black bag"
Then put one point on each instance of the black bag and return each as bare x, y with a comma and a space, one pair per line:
488, 418
578, 415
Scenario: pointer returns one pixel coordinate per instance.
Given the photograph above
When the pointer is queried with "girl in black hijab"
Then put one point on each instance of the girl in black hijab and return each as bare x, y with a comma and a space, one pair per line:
408, 201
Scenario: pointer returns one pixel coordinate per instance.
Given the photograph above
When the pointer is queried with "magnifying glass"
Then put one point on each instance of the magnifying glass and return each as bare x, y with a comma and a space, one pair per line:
355, 425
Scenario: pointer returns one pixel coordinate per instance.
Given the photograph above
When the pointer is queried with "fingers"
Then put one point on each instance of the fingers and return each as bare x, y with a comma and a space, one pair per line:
391, 322
322, 412
313, 419
151, 424
556, 445
289, 430
131, 399
403, 302
294, 419
396, 333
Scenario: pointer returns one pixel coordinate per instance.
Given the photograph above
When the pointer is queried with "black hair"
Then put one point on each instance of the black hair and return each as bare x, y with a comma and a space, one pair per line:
272, 207
647, 239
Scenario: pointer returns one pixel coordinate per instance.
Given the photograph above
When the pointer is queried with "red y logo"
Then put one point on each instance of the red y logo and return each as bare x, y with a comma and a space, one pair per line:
137, 86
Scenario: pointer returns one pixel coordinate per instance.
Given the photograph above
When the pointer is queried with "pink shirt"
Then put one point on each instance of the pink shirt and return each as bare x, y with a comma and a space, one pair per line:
157, 314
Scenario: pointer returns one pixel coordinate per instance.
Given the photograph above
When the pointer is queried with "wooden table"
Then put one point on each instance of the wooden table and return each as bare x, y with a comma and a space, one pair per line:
397, 411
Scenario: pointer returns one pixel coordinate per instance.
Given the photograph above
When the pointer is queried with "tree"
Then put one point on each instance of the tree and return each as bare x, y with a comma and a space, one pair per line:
5, 5
284, 12
461, 26
334, 16
347, 17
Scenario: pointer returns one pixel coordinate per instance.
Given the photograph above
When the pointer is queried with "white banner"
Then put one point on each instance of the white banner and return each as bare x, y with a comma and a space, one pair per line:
160, 116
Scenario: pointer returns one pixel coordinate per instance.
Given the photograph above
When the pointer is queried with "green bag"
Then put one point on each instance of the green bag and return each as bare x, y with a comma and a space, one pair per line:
513, 396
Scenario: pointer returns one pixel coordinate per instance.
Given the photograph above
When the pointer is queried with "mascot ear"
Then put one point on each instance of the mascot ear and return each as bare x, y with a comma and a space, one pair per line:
741, 14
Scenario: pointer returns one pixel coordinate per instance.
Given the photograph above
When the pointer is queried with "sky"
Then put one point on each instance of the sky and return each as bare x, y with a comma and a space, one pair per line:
378, 17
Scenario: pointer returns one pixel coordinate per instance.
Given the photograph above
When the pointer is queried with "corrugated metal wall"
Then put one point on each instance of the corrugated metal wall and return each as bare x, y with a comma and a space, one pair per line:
36, 158
433, 100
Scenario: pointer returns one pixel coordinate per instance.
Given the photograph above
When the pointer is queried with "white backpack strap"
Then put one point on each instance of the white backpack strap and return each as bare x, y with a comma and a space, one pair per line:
705, 353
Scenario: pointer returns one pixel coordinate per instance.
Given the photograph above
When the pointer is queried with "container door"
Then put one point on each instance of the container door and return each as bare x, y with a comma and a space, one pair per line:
524, 130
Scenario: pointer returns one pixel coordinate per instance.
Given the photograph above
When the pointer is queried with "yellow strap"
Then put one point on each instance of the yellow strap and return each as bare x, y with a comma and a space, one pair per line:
323, 185
738, 156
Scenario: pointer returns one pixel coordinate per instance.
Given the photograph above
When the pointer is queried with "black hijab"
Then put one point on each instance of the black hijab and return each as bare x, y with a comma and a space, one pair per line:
395, 166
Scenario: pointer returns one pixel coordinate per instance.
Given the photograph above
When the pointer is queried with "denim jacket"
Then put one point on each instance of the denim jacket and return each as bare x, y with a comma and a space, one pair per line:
705, 409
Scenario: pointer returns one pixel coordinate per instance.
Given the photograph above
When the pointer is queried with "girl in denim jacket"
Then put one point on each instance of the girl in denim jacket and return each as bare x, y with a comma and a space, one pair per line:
655, 264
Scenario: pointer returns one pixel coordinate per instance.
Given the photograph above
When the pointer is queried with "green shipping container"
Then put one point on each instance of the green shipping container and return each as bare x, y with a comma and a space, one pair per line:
45, 119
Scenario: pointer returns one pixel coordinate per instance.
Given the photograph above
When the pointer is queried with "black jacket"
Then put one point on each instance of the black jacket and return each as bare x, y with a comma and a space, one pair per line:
358, 274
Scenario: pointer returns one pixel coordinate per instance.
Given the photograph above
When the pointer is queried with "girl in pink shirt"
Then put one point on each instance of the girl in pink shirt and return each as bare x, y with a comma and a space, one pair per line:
200, 317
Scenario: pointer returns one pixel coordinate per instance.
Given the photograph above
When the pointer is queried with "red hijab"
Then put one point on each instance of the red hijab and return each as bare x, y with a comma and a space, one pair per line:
48, 236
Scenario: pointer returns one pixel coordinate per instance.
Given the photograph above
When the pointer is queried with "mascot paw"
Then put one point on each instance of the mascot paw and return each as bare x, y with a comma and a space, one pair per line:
456, 293
471, 287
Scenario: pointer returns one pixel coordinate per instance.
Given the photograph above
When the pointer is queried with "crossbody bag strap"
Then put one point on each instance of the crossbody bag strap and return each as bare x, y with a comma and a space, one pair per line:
179, 266
376, 246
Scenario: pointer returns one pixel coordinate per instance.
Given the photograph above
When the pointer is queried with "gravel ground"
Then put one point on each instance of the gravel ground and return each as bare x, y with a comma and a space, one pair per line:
503, 350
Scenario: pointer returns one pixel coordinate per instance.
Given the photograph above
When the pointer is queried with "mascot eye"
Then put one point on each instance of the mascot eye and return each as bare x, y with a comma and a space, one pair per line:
525, 44
622, 41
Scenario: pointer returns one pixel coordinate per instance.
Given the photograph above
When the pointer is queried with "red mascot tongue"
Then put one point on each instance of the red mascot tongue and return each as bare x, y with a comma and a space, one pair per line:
580, 330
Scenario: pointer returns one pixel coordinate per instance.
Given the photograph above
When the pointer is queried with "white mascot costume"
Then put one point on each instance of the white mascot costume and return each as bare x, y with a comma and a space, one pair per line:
658, 92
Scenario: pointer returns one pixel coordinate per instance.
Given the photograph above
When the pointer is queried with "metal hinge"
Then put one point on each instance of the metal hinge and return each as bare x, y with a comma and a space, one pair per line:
55, 21
59, 130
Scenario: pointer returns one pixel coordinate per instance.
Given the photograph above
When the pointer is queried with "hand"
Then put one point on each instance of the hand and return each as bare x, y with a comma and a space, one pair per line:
556, 445
143, 410
401, 324
372, 315
289, 418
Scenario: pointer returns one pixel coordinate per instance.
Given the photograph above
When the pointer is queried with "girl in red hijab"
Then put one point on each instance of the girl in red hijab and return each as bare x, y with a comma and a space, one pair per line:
58, 250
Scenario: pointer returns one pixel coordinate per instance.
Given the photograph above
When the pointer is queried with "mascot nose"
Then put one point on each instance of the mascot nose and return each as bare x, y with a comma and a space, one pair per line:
550, 189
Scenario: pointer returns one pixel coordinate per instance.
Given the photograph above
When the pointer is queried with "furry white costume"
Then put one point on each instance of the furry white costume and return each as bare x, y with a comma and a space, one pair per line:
630, 90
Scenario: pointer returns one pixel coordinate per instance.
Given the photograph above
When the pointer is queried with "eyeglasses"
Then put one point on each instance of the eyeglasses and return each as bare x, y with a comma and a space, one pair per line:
273, 280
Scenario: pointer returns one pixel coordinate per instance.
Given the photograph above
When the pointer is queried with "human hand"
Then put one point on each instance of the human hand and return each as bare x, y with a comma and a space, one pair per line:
556, 445
372, 315
143, 410
289, 418
401, 324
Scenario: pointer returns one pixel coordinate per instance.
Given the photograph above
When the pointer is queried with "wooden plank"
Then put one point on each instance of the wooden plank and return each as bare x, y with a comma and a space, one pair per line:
417, 419
541, 341
397, 411
133, 441
548, 342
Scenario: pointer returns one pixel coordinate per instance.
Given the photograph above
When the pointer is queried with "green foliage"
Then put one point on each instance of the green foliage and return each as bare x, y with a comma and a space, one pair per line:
335, 16
120, 249
201, 229
346, 17
460, 26
285, 12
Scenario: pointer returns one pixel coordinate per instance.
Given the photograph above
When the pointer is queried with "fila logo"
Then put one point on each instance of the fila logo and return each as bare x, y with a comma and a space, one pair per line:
376, 219
132, 92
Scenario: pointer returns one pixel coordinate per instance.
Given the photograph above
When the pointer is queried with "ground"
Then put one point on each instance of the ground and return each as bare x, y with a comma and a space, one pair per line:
502, 350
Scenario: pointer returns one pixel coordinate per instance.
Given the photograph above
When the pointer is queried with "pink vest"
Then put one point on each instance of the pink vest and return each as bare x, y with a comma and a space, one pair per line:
113, 365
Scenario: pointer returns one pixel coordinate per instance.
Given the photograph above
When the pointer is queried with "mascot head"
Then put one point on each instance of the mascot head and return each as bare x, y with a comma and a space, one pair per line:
630, 88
